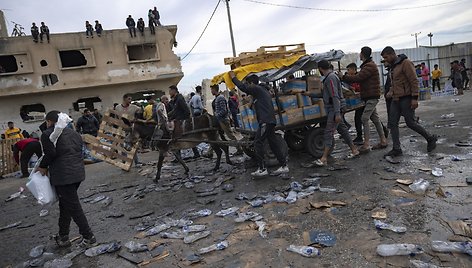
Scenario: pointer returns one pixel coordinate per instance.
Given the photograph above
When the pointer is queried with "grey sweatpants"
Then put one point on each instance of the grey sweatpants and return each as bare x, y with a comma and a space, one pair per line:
331, 126
370, 113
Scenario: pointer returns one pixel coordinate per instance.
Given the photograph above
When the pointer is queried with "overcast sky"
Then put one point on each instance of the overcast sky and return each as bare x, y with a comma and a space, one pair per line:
256, 24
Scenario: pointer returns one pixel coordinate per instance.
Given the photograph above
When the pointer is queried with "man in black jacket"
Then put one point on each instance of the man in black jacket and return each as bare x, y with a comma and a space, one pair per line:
87, 124
131, 25
65, 164
266, 119
180, 109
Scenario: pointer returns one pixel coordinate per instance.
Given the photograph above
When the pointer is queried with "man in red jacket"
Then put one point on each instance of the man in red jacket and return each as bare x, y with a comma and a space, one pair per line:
27, 147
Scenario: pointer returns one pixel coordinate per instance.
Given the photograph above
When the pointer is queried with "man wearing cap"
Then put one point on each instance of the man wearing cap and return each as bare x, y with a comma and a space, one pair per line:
404, 94
369, 79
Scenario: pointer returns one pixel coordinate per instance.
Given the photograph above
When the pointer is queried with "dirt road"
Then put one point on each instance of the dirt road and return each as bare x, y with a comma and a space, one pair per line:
366, 185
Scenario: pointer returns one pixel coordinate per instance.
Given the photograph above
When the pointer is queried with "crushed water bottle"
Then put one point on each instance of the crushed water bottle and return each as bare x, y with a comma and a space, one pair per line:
458, 247
103, 248
58, 263
419, 186
197, 236
398, 249
437, 172
134, 246
226, 212
200, 213
173, 235
385, 226
218, 246
296, 186
37, 251
157, 229
304, 250
193, 228
292, 197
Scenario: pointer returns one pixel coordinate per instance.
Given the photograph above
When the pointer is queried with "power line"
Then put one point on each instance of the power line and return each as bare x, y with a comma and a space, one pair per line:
352, 10
204, 29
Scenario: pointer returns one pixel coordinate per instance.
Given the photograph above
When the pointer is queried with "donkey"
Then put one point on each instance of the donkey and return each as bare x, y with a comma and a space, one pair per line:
205, 123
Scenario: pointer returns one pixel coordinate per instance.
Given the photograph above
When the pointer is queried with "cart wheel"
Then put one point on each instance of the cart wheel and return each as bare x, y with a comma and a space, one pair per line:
314, 142
295, 140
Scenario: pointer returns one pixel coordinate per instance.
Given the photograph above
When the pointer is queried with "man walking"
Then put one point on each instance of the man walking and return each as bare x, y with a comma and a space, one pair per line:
369, 80
334, 104
131, 26
266, 119
436, 75
28, 148
65, 165
87, 124
456, 77
35, 32
220, 109
44, 31
404, 94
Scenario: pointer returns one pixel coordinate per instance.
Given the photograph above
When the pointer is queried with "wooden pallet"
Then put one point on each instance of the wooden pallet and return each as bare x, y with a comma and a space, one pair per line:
7, 162
266, 53
108, 145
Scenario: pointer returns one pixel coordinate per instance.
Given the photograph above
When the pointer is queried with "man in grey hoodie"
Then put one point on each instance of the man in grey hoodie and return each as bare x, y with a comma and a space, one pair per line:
334, 104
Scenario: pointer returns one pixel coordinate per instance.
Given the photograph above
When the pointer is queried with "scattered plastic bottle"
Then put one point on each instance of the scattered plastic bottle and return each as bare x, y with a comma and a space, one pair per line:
43, 213
419, 186
296, 186
226, 212
291, 197
422, 264
242, 217
256, 203
200, 213
103, 248
437, 172
36, 251
193, 228
197, 236
134, 246
173, 235
218, 246
58, 263
189, 185
399, 249
459, 247
274, 198
311, 182
447, 116
304, 250
157, 229
261, 227
385, 226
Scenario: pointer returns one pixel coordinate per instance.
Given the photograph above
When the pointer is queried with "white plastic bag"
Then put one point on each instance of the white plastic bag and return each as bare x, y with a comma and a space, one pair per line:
41, 188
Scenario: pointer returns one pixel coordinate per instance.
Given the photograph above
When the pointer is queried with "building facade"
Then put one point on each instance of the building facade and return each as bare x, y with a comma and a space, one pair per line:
73, 72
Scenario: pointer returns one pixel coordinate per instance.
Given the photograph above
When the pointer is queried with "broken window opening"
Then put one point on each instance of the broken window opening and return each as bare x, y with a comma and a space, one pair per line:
8, 64
142, 52
72, 58
43, 63
91, 103
49, 79
32, 112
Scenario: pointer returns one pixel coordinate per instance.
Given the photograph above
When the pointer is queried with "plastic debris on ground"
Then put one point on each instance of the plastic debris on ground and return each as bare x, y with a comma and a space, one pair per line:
386, 226
453, 247
43, 213
37, 251
323, 238
103, 248
226, 212
261, 228
173, 235
16, 195
199, 214
196, 236
422, 264
58, 263
437, 172
399, 250
304, 250
157, 229
419, 186
11, 225
447, 116
218, 246
245, 216
134, 246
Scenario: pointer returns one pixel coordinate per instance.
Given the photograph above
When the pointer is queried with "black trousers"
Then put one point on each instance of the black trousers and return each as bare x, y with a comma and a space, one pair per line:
436, 83
70, 209
358, 121
29, 150
267, 132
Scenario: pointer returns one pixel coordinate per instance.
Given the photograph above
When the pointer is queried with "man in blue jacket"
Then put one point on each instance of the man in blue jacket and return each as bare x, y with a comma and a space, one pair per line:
266, 119
65, 164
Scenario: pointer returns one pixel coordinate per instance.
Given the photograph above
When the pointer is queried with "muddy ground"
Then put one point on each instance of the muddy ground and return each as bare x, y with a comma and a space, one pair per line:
366, 185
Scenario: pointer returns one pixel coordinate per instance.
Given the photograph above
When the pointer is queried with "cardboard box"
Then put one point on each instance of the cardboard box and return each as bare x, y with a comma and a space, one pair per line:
294, 116
320, 103
284, 119
311, 112
294, 86
288, 102
353, 102
313, 83
303, 100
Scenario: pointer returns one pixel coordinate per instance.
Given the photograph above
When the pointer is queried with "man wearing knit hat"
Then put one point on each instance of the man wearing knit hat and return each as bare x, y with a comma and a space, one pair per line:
369, 79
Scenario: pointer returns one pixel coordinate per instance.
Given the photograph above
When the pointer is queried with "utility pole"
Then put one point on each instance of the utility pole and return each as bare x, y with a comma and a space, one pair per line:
416, 37
430, 35
230, 28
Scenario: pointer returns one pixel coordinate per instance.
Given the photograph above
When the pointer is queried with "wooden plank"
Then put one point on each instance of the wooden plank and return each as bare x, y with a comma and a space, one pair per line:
125, 166
114, 121
116, 131
110, 153
113, 149
113, 139
8, 164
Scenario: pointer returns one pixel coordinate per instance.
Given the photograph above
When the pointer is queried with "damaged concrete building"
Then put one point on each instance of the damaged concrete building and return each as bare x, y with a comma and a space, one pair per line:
73, 72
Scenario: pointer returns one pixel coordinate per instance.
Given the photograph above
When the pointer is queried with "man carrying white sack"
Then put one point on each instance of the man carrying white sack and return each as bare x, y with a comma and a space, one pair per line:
64, 161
